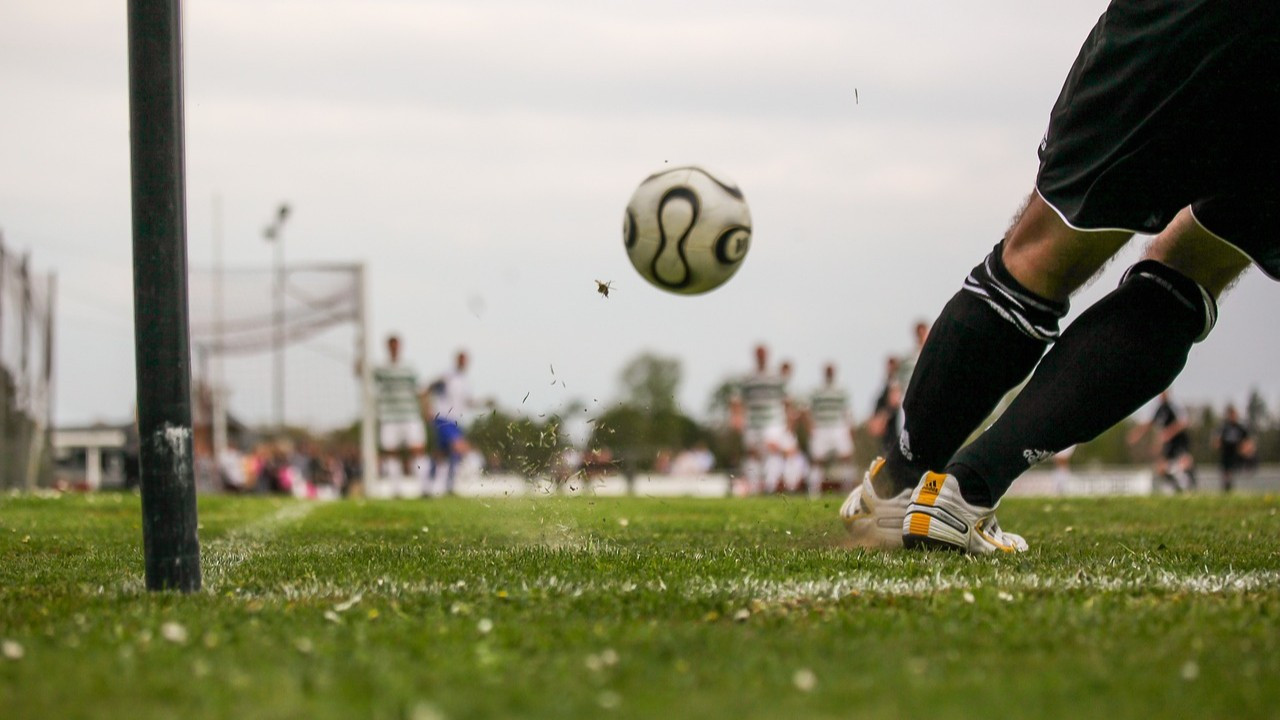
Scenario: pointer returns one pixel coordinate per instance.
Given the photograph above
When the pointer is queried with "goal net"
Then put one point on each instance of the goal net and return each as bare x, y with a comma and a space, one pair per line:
279, 350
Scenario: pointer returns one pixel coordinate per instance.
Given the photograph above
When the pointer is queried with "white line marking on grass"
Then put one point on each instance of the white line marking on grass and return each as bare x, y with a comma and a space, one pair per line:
222, 556
772, 590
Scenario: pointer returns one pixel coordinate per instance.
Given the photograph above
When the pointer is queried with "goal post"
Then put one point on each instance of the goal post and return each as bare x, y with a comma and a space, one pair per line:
161, 338
368, 421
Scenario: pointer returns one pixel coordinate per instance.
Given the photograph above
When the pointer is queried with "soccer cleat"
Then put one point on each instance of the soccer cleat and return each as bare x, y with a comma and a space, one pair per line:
873, 521
938, 517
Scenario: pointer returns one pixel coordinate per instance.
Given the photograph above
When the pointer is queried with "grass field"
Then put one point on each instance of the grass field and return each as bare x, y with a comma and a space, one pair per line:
639, 608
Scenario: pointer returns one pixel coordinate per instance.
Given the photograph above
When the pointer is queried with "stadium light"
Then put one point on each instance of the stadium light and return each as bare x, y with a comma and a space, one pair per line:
274, 233
161, 330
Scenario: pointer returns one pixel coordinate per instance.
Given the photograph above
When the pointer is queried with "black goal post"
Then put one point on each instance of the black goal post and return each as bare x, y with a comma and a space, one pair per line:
161, 333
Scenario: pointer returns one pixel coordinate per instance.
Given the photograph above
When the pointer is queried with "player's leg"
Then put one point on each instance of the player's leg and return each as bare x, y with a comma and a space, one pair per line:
1187, 464
819, 462
1119, 354
1164, 473
411, 438
390, 464
752, 463
819, 471
793, 462
439, 449
990, 336
773, 461
458, 448
392, 440
772, 470
794, 470
828, 458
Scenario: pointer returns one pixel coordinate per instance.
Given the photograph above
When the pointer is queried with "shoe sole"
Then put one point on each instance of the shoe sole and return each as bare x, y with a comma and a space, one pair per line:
935, 529
924, 542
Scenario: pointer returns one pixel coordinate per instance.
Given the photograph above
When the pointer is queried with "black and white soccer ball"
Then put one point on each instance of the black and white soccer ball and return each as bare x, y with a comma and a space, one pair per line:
687, 230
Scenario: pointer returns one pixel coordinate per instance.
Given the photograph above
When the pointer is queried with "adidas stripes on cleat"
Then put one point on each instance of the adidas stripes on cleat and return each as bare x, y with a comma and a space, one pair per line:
873, 521
938, 517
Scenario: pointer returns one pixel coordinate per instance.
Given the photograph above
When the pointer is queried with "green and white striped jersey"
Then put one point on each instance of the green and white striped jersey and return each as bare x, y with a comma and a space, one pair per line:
764, 396
829, 407
396, 394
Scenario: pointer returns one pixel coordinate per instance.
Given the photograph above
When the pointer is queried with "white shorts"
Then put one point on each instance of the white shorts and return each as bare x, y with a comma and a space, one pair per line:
789, 444
758, 439
403, 434
830, 442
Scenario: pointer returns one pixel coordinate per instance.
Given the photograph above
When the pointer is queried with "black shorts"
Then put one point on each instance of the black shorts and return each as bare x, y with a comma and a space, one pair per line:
1232, 464
1172, 103
1175, 448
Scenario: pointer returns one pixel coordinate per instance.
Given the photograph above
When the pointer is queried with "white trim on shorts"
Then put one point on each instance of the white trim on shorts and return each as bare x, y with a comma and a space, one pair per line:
1077, 228
1192, 211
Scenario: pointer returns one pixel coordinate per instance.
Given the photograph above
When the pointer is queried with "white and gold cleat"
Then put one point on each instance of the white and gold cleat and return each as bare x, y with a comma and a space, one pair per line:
938, 517
873, 521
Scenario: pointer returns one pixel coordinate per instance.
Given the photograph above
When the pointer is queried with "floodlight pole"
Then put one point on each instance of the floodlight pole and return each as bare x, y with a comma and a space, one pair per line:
218, 384
160, 314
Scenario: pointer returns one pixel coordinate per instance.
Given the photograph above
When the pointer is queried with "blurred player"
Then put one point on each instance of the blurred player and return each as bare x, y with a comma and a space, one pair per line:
795, 465
907, 365
1174, 464
1235, 447
759, 411
1062, 471
451, 400
1162, 128
400, 427
886, 417
830, 435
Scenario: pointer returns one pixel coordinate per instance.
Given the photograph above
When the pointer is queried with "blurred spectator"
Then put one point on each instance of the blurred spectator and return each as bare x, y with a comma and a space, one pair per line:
694, 461
1235, 447
886, 419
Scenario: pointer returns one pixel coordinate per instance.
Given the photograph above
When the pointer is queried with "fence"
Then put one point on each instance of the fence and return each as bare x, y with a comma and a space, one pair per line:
26, 372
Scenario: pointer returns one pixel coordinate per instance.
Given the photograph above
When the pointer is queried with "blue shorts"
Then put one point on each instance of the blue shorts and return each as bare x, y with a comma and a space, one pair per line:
447, 433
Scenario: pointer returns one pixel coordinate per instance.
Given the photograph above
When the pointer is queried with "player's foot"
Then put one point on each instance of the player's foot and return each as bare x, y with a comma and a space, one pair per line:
873, 521
938, 517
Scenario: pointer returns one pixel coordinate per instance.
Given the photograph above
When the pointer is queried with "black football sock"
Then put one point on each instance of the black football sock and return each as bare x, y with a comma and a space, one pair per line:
1114, 358
986, 341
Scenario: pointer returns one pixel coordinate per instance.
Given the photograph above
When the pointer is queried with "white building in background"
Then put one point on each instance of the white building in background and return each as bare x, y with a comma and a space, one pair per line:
95, 457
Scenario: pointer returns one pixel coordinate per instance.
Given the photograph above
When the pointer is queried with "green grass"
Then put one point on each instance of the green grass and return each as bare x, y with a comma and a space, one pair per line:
639, 608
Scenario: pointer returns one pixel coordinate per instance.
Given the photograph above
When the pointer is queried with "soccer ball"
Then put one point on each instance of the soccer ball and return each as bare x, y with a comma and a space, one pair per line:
687, 230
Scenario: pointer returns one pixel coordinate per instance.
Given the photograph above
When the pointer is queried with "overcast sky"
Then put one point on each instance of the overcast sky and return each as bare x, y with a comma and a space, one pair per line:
477, 156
